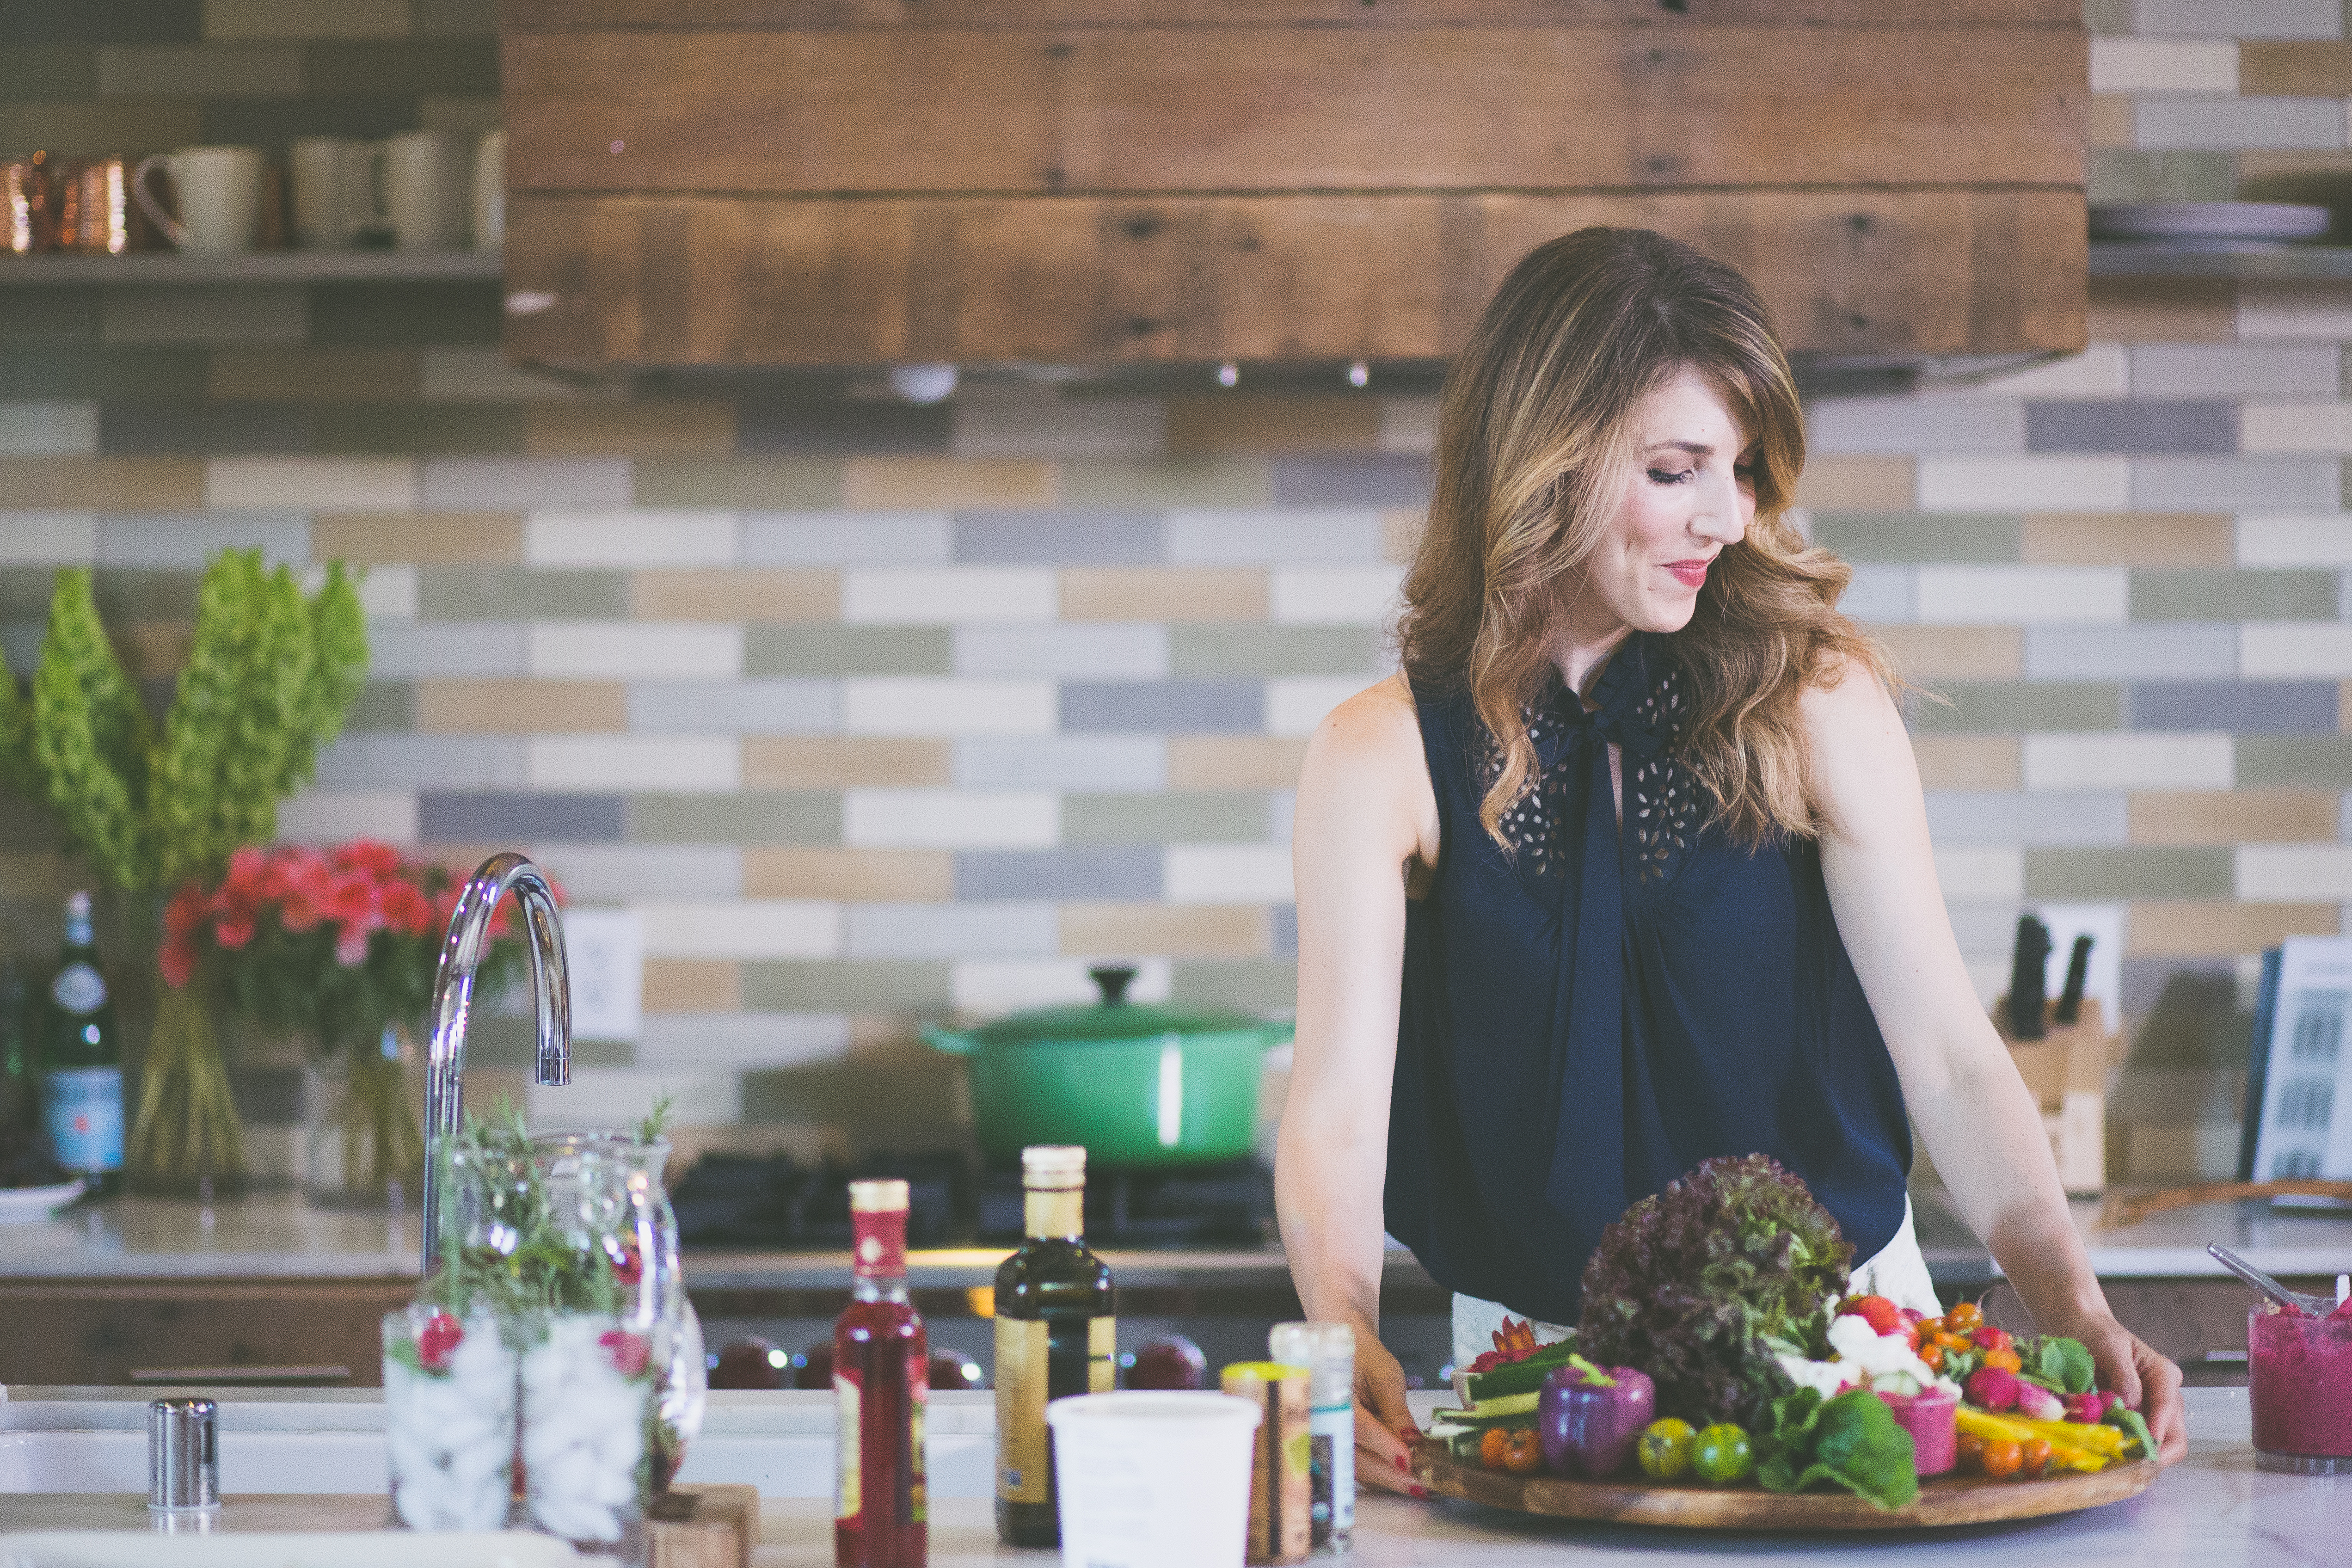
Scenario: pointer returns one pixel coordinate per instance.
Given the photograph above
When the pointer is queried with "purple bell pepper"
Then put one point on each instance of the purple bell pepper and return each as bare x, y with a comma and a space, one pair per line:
1589, 1419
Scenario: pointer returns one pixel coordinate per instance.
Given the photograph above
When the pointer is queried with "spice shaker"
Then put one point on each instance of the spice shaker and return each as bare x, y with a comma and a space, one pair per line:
1328, 1352
1281, 1527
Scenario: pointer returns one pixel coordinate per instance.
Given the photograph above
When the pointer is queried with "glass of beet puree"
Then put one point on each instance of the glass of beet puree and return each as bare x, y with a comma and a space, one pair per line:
2299, 1376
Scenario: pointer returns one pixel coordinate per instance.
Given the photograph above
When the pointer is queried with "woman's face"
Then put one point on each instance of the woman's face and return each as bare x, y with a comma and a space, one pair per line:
1690, 493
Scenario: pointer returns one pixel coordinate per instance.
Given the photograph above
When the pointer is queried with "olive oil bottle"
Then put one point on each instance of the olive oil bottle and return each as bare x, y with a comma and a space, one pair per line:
1055, 1336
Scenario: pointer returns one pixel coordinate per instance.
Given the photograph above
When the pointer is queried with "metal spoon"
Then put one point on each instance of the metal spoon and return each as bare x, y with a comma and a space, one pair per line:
2293, 1300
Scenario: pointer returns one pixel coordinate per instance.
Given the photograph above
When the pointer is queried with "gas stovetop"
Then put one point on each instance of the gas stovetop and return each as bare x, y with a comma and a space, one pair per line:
774, 1202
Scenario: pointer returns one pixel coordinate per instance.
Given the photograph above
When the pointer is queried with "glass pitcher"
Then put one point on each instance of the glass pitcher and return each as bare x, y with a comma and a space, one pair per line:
603, 1193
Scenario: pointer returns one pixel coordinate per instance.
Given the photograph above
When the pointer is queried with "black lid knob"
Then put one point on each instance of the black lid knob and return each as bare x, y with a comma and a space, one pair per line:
1113, 980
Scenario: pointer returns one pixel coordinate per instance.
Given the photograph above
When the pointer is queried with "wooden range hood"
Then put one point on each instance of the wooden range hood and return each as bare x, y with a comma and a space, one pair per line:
818, 183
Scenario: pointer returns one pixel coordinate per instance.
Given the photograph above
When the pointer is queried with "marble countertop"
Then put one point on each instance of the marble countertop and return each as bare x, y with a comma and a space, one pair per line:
280, 1235
2213, 1509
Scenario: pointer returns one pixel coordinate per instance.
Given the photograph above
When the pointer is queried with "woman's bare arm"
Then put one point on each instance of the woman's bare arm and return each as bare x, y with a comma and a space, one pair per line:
1980, 1125
1365, 813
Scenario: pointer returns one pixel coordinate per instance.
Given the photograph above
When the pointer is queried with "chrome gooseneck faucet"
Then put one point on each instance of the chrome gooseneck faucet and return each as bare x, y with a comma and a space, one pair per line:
452, 996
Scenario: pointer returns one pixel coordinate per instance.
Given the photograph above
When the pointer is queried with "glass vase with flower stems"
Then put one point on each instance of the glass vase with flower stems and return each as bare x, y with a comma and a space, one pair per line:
339, 948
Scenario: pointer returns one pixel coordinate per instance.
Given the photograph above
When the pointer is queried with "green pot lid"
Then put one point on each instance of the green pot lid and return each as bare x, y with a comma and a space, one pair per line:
1112, 1019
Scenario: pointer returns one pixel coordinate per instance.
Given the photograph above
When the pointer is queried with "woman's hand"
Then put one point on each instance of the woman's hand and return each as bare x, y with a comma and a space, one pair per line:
2148, 1382
1385, 1429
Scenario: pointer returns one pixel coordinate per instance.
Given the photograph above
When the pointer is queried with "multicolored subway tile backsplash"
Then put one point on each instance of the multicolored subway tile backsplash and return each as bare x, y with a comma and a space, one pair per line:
876, 712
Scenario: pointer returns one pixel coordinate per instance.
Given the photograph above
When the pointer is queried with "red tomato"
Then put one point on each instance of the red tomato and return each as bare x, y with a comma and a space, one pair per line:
1523, 1455
2001, 1458
1491, 1448
1882, 1315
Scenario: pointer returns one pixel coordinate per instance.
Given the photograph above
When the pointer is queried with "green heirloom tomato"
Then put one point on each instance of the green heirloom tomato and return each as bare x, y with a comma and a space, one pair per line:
1721, 1453
1665, 1449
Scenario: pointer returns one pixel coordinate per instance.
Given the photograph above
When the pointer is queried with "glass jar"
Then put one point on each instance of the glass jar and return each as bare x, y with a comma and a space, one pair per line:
605, 1193
588, 1394
450, 1418
2299, 1380
363, 1147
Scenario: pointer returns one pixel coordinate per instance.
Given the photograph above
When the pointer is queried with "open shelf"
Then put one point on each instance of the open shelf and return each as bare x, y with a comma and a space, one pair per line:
2249, 263
62, 268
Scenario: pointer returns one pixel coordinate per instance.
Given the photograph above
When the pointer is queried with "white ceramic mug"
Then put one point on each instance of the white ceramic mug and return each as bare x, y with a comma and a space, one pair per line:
336, 191
220, 197
490, 191
425, 191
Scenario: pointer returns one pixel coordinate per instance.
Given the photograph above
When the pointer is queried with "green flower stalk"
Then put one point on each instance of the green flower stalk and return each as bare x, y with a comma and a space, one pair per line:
269, 681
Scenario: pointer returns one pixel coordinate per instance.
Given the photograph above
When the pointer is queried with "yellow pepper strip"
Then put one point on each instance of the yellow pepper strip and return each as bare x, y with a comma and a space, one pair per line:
2100, 1439
2016, 1430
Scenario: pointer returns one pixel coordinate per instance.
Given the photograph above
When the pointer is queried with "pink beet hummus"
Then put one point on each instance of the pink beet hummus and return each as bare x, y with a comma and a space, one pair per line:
2299, 1376
1930, 1420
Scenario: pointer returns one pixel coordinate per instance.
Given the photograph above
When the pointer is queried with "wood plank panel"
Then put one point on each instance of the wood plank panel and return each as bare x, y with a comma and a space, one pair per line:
715, 280
1225, 108
588, 15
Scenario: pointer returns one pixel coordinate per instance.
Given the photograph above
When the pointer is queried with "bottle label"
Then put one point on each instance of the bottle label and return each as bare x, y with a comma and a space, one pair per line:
919, 1395
79, 989
1038, 1361
82, 1108
1054, 1211
1333, 1428
1020, 1439
848, 1493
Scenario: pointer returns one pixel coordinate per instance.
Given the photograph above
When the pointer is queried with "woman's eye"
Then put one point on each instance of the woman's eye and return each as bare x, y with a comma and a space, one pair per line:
1660, 476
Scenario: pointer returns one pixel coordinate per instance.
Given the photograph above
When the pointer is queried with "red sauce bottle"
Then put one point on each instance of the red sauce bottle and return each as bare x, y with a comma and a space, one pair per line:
881, 1380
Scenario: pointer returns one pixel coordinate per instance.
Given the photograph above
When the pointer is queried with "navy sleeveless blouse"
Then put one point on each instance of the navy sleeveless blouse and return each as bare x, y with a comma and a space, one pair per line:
1586, 1020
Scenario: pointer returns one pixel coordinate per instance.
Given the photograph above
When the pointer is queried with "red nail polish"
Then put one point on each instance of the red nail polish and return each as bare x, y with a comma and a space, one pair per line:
1421, 1493
1402, 1465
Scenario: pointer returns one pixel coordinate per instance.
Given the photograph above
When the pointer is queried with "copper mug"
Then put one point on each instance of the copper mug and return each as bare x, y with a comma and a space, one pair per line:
97, 214
29, 197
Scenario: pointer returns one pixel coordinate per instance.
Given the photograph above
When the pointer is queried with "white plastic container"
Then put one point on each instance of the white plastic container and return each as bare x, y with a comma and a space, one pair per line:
449, 1419
1154, 1480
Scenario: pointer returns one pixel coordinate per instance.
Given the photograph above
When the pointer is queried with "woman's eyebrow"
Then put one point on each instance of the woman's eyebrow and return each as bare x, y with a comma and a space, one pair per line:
1695, 448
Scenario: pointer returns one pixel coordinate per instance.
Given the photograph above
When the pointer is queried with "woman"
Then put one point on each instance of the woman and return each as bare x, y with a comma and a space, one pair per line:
1629, 866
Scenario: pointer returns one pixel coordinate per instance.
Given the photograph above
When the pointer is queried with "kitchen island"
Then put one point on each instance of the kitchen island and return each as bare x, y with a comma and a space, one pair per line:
106, 1290
2214, 1510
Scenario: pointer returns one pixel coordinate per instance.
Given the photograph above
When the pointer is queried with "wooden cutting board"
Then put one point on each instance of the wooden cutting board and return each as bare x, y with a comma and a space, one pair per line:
703, 1527
1945, 1501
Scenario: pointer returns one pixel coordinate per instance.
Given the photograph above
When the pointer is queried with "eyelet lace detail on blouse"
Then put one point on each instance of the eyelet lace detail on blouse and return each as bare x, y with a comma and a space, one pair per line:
1664, 811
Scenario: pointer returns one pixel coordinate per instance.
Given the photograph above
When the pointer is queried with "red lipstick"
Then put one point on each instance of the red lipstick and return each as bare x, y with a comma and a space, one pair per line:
1690, 573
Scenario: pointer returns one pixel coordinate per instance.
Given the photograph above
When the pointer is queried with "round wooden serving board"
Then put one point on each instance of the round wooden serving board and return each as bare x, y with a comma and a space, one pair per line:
1946, 1500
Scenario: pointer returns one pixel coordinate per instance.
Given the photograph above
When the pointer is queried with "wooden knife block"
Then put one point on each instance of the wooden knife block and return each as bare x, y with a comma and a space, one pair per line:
703, 1527
2066, 1071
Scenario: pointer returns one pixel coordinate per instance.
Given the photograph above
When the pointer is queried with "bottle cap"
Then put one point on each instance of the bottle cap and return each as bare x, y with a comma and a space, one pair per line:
1053, 1165
877, 1197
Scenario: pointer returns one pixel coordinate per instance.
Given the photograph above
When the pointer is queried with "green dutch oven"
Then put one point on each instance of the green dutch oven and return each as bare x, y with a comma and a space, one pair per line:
1139, 1086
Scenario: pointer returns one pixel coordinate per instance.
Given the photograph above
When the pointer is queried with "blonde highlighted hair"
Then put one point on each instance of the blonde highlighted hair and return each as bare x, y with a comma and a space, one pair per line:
1534, 450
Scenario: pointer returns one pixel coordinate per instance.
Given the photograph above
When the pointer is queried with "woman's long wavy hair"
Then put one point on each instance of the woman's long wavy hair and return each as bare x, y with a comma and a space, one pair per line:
1534, 454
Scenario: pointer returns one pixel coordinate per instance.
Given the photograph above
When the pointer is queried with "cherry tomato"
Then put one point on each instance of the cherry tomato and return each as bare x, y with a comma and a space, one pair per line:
1972, 1450
1934, 1356
1523, 1455
1882, 1315
2004, 1358
1665, 1449
1491, 1448
1930, 1327
2001, 1458
1721, 1453
1954, 1342
2033, 1455
1964, 1319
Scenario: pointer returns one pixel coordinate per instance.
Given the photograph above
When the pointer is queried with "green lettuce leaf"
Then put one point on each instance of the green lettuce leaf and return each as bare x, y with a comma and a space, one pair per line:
1852, 1441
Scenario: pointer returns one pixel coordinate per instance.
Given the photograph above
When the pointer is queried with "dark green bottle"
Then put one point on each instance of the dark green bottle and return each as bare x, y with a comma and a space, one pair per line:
81, 1060
1055, 1336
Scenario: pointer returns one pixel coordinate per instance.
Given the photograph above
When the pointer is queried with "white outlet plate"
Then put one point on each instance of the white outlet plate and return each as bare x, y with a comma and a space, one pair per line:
605, 953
